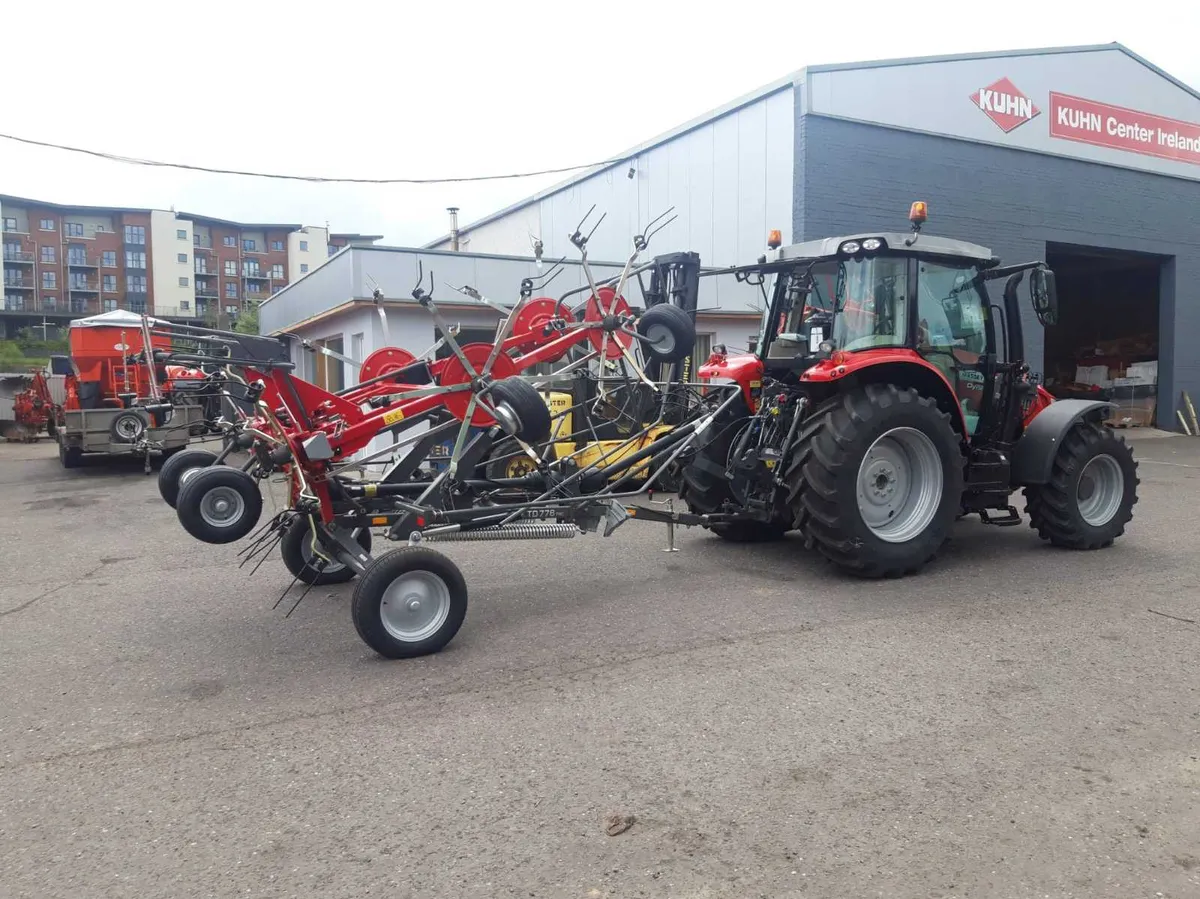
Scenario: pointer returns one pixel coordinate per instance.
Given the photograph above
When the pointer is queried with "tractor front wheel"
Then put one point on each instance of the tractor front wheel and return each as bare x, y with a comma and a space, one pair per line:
882, 483
1091, 492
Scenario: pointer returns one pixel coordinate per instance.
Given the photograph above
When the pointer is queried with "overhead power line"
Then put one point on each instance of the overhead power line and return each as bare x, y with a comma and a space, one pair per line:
316, 179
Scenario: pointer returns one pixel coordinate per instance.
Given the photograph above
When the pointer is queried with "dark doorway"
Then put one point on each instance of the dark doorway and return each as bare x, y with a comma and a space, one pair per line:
1105, 345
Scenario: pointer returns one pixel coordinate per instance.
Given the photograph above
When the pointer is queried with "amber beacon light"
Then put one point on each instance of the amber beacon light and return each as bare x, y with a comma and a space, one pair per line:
774, 239
918, 212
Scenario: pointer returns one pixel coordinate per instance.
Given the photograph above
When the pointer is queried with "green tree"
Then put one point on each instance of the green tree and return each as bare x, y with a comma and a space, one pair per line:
247, 322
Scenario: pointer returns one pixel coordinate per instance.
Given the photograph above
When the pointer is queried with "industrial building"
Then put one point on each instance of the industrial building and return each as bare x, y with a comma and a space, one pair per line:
63, 262
1086, 157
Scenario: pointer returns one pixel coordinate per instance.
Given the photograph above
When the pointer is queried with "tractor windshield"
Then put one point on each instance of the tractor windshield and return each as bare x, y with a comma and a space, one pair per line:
867, 298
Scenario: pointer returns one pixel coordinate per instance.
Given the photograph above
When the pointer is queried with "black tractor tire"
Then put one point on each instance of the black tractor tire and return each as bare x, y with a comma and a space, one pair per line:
128, 426
508, 460
669, 331
69, 456
177, 467
825, 487
1058, 510
705, 489
296, 551
219, 504
526, 405
380, 613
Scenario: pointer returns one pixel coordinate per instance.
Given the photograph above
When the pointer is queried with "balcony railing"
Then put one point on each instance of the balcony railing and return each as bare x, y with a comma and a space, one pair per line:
18, 256
203, 290
201, 243
80, 260
18, 283
85, 286
75, 306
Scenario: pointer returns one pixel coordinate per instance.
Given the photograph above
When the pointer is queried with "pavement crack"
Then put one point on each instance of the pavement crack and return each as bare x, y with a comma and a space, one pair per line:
25, 605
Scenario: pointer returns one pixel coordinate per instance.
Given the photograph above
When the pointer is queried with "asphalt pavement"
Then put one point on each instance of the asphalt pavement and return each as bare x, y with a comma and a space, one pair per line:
1016, 721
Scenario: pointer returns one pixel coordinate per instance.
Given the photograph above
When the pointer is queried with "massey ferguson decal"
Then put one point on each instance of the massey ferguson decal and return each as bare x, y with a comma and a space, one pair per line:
1001, 102
1105, 125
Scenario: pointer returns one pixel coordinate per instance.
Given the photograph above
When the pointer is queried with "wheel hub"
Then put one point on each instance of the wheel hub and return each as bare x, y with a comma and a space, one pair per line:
1100, 490
899, 487
414, 606
222, 507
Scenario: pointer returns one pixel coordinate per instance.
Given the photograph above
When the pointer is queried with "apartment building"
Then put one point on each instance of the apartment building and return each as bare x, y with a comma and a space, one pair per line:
64, 262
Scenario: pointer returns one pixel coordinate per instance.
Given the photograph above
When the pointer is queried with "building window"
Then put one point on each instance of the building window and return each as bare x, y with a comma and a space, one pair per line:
277, 272
76, 255
135, 259
48, 256
10, 224
185, 305
304, 246
136, 284
79, 281
46, 224
230, 268
109, 258
249, 245
333, 250
50, 303
110, 305
250, 270
303, 267
74, 229
181, 258
137, 305
49, 280
183, 281
181, 234
231, 290
110, 283
229, 241
277, 246
135, 234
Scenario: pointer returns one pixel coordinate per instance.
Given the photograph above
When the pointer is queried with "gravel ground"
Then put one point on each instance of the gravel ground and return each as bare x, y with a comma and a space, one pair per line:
1015, 722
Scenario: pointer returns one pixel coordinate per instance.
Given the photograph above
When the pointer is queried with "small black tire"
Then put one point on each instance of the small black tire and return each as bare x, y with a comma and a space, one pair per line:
128, 427
69, 456
669, 331
1059, 509
382, 606
531, 415
219, 504
177, 468
296, 551
848, 452
705, 490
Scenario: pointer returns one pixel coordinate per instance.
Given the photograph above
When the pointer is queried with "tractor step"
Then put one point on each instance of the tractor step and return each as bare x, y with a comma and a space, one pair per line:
1011, 518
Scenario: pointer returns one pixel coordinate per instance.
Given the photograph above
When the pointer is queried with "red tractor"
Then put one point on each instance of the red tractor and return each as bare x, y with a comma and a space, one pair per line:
888, 396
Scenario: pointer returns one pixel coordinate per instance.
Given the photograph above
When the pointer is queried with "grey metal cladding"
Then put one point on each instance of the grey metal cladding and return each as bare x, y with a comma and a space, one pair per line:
858, 177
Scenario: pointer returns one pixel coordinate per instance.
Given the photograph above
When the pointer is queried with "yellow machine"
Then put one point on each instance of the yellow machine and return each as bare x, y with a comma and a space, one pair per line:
583, 452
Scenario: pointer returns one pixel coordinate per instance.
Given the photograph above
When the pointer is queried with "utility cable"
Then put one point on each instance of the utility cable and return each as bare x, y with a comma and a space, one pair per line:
132, 160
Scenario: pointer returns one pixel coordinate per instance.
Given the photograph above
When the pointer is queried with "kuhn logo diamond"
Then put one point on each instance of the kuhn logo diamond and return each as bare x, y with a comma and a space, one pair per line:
1001, 102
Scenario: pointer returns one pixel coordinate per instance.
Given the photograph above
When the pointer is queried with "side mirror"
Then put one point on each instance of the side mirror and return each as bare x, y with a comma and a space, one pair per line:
1044, 293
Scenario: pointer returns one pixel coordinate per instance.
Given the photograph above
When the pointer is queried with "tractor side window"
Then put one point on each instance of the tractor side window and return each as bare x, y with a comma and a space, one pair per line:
951, 331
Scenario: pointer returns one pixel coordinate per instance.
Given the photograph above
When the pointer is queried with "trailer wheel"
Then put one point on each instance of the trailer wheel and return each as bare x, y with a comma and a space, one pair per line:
521, 410
219, 504
409, 602
296, 549
1091, 492
177, 468
128, 427
669, 331
69, 456
883, 482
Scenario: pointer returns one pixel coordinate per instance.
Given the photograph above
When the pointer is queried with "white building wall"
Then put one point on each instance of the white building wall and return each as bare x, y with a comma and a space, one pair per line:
306, 249
729, 179
171, 297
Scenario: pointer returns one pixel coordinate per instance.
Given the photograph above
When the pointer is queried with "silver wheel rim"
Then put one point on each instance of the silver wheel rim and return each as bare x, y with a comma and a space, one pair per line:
129, 427
415, 605
661, 338
313, 561
900, 485
507, 418
1099, 491
222, 507
187, 473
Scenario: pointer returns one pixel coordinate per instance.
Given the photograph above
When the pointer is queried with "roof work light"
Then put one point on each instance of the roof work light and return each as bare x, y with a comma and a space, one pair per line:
774, 239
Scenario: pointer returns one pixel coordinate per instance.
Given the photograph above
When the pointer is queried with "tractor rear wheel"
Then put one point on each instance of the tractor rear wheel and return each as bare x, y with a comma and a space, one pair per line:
1091, 492
705, 489
881, 483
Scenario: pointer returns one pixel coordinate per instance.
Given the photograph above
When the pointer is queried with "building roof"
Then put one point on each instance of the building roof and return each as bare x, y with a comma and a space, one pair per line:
356, 236
781, 84
209, 220
5, 199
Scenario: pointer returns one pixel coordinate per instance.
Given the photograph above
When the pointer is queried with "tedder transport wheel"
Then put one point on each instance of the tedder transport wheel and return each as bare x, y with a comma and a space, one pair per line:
177, 468
705, 489
219, 504
409, 602
669, 331
296, 549
522, 410
1091, 492
882, 484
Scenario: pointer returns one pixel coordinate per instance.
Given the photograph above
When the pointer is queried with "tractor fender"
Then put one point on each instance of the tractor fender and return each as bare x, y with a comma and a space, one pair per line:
1033, 456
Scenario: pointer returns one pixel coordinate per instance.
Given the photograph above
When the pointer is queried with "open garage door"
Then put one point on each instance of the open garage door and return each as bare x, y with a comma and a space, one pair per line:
1105, 345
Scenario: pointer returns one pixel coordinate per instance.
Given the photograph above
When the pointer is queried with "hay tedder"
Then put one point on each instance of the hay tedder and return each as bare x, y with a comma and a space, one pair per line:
884, 401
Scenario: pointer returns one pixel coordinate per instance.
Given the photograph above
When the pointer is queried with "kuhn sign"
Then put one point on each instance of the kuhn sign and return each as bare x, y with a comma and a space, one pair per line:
1001, 102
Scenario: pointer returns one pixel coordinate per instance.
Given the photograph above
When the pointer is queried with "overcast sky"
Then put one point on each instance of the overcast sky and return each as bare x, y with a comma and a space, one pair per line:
442, 89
